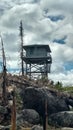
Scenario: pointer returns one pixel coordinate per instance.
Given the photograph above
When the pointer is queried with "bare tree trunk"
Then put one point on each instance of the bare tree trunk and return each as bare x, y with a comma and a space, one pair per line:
4, 94
21, 35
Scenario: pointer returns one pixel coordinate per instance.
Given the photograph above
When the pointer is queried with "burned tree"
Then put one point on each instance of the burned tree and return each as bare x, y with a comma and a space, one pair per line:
21, 36
4, 75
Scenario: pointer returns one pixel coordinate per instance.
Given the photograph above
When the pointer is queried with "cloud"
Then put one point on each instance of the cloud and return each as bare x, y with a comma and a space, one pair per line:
44, 22
65, 78
11, 42
60, 5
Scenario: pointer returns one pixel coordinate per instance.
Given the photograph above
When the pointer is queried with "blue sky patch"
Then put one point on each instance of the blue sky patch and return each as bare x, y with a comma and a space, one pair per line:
13, 69
60, 41
1, 63
56, 18
68, 65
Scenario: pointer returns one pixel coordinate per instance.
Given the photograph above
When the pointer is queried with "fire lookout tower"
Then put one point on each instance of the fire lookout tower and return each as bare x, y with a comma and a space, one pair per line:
37, 59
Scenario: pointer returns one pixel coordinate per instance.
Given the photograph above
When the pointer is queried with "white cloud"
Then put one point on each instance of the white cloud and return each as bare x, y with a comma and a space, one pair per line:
65, 78
39, 29
60, 5
61, 52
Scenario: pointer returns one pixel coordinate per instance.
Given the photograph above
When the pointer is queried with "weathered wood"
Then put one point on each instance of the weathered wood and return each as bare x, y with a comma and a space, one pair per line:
13, 116
21, 35
4, 75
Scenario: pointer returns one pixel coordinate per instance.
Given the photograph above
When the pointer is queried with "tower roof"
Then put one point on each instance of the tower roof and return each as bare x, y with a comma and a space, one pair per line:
37, 45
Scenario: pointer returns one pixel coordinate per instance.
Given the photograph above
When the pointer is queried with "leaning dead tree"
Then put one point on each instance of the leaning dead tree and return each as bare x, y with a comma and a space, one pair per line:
21, 36
4, 95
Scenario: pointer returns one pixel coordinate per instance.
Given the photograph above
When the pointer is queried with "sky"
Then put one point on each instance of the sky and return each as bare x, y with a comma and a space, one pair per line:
44, 22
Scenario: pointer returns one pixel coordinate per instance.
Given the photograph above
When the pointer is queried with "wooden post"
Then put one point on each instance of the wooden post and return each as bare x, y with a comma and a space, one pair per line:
4, 93
13, 115
46, 114
30, 71
45, 120
26, 68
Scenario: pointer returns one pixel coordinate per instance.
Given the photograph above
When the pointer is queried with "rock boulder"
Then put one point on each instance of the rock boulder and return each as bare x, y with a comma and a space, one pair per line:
62, 119
34, 98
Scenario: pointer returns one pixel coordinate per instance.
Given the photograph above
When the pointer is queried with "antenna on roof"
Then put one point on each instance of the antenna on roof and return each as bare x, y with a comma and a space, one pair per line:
21, 36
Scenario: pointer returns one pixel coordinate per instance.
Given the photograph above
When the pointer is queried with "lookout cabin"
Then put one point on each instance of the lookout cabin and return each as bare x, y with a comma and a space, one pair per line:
39, 55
